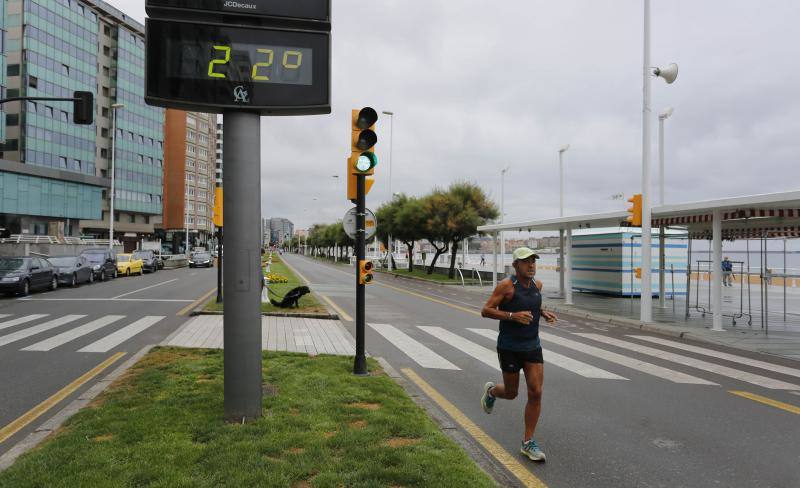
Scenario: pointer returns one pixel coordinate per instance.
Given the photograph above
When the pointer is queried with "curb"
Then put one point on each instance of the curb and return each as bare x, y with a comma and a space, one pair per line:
51, 425
321, 316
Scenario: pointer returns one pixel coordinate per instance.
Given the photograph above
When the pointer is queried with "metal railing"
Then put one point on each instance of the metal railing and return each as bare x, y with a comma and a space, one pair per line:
39, 239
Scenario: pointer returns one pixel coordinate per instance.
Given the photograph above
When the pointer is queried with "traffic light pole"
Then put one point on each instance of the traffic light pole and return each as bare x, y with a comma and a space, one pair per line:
242, 275
219, 265
360, 363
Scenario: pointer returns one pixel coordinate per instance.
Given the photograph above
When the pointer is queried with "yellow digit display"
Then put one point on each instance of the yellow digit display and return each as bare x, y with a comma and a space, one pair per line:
270, 55
298, 62
227, 51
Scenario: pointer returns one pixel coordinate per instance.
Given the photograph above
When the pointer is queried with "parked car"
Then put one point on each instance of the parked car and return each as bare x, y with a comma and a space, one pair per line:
150, 262
200, 259
128, 264
103, 261
23, 274
72, 270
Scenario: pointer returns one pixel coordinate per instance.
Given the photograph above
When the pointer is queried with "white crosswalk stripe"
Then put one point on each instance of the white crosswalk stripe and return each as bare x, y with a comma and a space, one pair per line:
417, 351
564, 362
50, 324
73, 334
695, 363
638, 365
21, 320
776, 368
482, 354
113, 340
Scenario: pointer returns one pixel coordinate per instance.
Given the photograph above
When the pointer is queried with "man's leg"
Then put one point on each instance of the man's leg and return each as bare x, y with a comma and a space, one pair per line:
508, 390
534, 378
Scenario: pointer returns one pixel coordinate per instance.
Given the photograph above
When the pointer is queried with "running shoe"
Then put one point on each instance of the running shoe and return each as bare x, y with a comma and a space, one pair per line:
531, 450
487, 400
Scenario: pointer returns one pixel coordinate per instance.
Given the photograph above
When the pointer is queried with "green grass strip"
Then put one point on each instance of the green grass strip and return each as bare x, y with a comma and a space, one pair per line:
161, 425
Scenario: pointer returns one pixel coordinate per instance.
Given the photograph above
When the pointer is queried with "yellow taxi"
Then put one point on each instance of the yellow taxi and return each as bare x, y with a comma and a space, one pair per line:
127, 264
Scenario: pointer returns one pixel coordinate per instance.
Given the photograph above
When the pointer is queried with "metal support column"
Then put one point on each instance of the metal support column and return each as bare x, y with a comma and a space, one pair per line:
219, 264
716, 270
494, 260
568, 267
561, 263
360, 362
242, 277
662, 264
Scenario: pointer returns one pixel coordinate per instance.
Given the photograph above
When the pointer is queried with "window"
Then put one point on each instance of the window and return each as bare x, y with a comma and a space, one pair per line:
12, 70
141, 139
190, 149
159, 163
190, 121
12, 119
106, 29
202, 194
64, 116
12, 92
105, 91
203, 166
189, 178
202, 181
189, 206
190, 135
203, 153
189, 163
65, 69
76, 164
104, 153
140, 158
106, 71
62, 162
149, 161
201, 208
106, 50
33, 82
104, 132
104, 111
190, 191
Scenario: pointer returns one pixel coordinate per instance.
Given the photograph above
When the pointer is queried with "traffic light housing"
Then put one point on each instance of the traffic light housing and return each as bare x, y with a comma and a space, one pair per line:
635, 210
362, 141
365, 275
351, 183
217, 215
638, 273
83, 107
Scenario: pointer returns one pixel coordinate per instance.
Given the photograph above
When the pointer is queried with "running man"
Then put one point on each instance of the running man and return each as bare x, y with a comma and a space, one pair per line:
517, 304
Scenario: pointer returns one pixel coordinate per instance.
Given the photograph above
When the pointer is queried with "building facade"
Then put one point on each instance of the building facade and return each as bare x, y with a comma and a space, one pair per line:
55, 176
190, 152
277, 230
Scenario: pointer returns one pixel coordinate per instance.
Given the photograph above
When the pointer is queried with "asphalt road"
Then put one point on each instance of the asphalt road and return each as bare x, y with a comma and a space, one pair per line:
50, 339
657, 416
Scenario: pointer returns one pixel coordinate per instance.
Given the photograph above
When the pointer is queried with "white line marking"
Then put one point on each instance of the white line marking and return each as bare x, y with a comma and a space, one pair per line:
722, 355
72, 334
696, 363
113, 340
573, 365
22, 320
145, 288
642, 366
417, 351
482, 354
107, 300
22, 334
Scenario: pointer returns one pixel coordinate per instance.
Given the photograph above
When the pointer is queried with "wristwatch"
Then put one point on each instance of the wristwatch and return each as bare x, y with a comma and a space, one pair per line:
509, 315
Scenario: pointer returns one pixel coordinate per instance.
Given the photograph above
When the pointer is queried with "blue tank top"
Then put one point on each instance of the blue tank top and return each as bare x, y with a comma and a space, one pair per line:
513, 335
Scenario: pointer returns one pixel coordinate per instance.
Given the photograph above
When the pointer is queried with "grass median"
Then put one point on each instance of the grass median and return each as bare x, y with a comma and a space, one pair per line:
307, 304
161, 425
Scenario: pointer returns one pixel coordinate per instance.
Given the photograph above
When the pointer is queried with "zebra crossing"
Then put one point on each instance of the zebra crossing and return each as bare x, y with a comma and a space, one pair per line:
70, 331
415, 343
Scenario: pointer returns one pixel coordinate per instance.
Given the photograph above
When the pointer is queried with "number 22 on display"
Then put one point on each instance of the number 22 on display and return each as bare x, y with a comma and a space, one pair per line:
291, 60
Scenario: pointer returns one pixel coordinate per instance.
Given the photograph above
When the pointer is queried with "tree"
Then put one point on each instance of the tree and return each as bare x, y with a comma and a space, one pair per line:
409, 224
385, 215
435, 211
468, 207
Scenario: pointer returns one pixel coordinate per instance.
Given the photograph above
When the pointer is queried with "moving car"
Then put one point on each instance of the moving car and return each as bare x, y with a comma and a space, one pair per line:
150, 262
103, 261
127, 264
23, 274
72, 270
200, 259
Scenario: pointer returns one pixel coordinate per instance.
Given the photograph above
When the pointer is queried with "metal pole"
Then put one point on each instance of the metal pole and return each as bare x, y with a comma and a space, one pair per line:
716, 268
360, 362
568, 268
391, 195
242, 278
219, 265
646, 312
502, 219
661, 159
784, 282
561, 263
113, 152
689, 274
494, 260
662, 264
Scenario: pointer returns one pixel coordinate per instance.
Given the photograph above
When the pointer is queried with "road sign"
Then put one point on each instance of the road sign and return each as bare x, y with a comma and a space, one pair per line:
349, 224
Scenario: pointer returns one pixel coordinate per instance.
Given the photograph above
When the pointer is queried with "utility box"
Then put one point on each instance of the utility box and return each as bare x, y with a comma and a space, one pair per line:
605, 263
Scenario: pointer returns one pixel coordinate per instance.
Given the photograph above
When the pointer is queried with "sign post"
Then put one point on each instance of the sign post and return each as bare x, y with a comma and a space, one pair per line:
243, 60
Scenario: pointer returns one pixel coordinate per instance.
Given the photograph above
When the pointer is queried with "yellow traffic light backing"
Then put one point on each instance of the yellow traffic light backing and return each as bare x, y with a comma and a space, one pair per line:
351, 183
638, 273
635, 219
218, 206
365, 272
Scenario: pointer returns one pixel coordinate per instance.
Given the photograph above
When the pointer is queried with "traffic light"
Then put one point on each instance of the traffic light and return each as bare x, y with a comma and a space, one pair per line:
365, 272
635, 217
351, 183
638, 273
217, 215
362, 141
83, 107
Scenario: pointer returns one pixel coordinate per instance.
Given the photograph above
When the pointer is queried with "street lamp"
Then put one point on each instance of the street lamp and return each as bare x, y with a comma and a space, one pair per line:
561, 152
670, 73
391, 137
114, 108
502, 215
661, 118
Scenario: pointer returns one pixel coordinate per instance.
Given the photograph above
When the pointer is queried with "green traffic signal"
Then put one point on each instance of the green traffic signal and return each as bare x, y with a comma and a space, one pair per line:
366, 161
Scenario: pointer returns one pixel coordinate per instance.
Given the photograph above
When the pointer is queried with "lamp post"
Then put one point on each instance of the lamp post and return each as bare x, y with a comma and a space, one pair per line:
561, 152
391, 137
114, 108
669, 74
662, 258
503, 216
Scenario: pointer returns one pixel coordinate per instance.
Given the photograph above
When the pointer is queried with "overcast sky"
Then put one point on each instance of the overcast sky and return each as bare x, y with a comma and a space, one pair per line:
476, 86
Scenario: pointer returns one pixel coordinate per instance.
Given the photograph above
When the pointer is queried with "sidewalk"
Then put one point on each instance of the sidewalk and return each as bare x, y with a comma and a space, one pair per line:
293, 334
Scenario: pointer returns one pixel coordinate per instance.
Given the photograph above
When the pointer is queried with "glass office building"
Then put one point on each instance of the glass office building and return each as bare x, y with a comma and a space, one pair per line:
55, 176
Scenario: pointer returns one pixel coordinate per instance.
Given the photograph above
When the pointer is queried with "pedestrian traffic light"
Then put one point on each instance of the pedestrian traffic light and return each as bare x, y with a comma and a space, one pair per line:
638, 273
362, 141
83, 107
635, 210
365, 272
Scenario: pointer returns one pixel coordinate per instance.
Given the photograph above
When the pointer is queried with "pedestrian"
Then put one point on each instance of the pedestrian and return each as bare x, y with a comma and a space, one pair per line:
727, 272
483, 260
517, 304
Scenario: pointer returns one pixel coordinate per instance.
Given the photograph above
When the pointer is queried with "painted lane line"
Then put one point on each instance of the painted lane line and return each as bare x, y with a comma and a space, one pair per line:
37, 411
113, 340
145, 288
767, 401
755, 379
490, 445
51, 324
612, 357
22, 320
564, 362
176, 300
417, 351
70, 335
721, 355
335, 307
197, 302
4, 315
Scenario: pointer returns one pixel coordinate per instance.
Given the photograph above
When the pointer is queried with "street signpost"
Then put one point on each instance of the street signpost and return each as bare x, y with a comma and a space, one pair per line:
243, 59
370, 223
